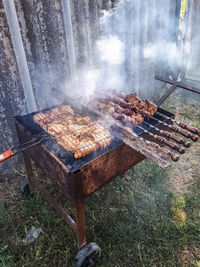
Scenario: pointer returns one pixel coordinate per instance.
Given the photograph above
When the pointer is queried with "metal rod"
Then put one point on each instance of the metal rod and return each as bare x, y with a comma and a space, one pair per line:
174, 157
178, 84
20, 54
177, 139
166, 95
177, 130
181, 124
161, 139
10, 153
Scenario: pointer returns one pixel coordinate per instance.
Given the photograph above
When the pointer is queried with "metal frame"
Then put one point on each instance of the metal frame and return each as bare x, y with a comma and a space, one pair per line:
175, 84
76, 186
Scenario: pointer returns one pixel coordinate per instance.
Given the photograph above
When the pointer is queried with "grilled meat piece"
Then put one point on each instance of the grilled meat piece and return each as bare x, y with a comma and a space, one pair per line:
130, 109
134, 103
142, 105
112, 108
150, 107
77, 134
137, 117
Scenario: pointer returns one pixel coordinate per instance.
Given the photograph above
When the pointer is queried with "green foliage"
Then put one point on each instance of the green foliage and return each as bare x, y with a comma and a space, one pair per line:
183, 6
4, 256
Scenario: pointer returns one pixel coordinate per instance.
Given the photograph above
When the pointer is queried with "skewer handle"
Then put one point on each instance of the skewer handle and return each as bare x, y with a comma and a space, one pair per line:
7, 154
166, 142
174, 157
184, 133
189, 128
184, 126
177, 139
161, 139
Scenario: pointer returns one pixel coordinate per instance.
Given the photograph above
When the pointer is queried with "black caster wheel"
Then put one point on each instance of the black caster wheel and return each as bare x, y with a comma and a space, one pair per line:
25, 189
88, 255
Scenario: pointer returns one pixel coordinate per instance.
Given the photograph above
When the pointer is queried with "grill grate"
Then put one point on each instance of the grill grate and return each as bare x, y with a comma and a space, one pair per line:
76, 133
65, 156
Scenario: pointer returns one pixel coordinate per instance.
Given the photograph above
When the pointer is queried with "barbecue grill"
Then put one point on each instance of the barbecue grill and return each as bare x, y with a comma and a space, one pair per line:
77, 178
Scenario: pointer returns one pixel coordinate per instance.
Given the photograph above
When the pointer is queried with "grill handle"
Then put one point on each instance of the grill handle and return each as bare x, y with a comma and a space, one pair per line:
5, 155
173, 156
177, 139
161, 139
189, 128
184, 133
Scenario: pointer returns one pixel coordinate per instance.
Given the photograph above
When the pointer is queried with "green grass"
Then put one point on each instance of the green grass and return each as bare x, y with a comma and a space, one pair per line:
131, 221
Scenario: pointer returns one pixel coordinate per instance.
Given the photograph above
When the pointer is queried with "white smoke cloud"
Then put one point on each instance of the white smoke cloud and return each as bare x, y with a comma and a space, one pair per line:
90, 80
126, 50
111, 50
161, 50
105, 17
150, 51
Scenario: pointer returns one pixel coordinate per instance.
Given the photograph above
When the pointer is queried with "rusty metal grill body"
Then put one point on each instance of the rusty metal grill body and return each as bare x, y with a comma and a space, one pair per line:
75, 179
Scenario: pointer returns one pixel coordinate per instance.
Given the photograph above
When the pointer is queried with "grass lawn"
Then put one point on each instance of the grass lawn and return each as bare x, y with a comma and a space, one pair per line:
153, 220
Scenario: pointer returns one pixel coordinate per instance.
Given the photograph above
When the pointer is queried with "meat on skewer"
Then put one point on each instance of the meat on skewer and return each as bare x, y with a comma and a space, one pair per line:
146, 114
132, 99
123, 104
173, 156
131, 122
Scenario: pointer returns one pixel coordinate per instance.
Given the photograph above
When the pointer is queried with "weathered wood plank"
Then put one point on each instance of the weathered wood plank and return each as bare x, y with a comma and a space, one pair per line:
152, 153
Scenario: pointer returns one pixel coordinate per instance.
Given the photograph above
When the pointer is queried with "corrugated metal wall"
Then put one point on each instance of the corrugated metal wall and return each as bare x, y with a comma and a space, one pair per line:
190, 51
192, 41
149, 31
51, 53
11, 92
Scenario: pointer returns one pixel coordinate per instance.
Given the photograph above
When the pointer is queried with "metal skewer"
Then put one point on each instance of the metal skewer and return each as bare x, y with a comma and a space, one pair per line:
177, 139
18, 149
181, 124
177, 130
174, 157
161, 139
117, 100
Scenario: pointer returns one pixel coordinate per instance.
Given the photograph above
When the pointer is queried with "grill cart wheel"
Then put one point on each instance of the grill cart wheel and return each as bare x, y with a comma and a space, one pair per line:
88, 255
24, 188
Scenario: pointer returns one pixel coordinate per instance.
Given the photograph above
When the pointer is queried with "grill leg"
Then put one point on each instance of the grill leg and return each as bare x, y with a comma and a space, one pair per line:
29, 171
80, 221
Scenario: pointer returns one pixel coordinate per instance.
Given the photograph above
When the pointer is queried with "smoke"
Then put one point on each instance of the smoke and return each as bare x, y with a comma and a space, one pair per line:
137, 41
111, 50
155, 51
90, 80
